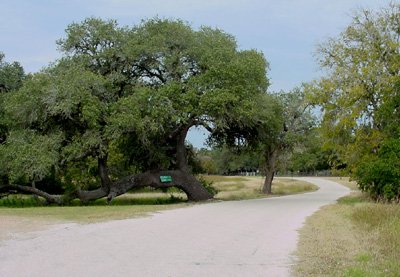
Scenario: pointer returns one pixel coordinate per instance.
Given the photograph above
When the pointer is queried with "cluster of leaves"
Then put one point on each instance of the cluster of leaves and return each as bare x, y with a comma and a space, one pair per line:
225, 161
380, 174
11, 78
208, 185
11, 75
308, 155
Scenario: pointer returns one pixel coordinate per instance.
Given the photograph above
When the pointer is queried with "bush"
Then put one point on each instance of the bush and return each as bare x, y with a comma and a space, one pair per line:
208, 185
380, 175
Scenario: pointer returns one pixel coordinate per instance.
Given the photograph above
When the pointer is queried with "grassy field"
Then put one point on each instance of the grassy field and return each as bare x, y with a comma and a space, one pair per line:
249, 187
355, 237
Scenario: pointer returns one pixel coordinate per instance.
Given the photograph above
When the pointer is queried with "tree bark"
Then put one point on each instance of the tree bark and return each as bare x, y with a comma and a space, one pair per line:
57, 199
269, 170
180, 179
181, 153
85, 195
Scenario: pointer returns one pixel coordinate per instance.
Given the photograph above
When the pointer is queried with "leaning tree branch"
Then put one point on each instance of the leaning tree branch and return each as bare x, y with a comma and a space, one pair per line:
180, 179
26, 189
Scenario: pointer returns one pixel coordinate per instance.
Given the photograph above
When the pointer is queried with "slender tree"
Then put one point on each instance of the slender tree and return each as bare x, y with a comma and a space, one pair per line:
295, 122
359, 95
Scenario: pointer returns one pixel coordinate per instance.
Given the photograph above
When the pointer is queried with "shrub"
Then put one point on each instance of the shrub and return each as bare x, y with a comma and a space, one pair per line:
380, 175
208, 185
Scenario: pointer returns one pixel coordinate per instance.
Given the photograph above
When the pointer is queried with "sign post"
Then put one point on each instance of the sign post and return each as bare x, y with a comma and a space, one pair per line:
165, 179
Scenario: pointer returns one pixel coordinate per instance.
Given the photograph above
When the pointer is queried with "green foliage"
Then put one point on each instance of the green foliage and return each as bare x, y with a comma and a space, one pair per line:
292, 128
360, 97
11, 78
380, 174
11, 75
307, 156
206, 161
24, 201
54, 119
208, 185
275, 127
126, 96
229, 161
21, 201
28, 156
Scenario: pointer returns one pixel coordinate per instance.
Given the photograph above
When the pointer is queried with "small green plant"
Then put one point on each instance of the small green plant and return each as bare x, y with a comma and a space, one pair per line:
355, 272
21, 201
208, 185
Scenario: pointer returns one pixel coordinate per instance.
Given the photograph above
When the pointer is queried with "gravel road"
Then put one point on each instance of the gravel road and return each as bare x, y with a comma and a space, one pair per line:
237, 238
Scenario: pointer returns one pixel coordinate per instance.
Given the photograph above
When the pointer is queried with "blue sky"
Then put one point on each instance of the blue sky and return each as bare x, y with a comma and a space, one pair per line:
286, 31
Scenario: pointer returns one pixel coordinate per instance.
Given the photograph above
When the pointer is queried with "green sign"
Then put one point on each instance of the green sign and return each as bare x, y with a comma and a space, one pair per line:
166, 179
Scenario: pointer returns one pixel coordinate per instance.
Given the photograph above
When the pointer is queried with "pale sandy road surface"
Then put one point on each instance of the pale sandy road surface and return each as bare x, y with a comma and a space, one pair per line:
237, 238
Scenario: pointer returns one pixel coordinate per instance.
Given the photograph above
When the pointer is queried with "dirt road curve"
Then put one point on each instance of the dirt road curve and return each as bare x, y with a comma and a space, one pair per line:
239, 238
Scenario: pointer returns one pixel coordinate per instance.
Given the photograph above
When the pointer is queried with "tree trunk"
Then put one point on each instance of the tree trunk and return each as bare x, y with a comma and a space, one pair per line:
269, 170
103, 173
57, 199
181, 153
269, 177
180, 179
34, 186
103, 191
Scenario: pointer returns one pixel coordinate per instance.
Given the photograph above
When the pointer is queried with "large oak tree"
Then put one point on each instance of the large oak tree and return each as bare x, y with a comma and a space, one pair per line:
120, 101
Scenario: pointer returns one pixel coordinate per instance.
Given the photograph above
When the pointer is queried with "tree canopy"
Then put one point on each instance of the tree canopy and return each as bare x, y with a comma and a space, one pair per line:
360, 96
11, 75
11, 78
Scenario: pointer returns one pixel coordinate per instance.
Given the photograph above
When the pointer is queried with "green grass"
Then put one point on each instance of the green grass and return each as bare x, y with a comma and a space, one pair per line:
20, 220
140, 198
87, 214
356, 237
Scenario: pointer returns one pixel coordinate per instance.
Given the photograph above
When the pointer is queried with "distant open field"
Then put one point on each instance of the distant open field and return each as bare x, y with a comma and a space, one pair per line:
248, 187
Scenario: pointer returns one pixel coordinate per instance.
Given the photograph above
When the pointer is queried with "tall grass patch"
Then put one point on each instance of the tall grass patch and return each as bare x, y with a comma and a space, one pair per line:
356, 237
291, 186
381, 223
